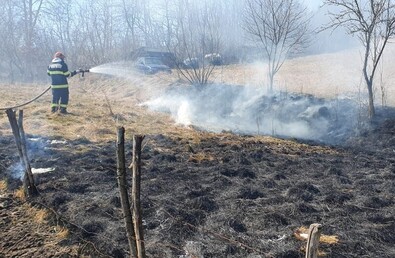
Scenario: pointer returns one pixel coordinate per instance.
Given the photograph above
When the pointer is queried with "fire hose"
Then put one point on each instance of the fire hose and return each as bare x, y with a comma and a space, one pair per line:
28, 102
42, 93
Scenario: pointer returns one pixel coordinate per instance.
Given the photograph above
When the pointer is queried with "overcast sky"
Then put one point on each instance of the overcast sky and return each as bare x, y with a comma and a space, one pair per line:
313, 4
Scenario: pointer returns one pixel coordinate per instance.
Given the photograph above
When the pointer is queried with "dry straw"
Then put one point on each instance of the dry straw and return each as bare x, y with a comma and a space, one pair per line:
302, 234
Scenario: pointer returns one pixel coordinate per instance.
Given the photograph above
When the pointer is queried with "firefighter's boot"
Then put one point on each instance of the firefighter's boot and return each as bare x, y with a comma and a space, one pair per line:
63, 110
54, 109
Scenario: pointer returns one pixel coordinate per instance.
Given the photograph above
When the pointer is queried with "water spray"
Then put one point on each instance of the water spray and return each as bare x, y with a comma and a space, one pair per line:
118, 69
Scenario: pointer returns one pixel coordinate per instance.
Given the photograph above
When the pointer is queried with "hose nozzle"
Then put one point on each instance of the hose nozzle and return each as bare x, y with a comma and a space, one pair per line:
84, 71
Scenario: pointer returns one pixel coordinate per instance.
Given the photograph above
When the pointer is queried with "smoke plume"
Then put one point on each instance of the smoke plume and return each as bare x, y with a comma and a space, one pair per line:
246, 110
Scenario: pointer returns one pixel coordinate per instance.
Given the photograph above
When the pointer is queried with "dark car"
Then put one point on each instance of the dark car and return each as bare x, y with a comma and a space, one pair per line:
151, 65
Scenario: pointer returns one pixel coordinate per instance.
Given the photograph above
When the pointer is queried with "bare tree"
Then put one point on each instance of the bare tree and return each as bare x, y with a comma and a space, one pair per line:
281, 27
373, 22
195, 37
18, 23
231, 14
31, 10
57, 27
11, 41
132, 15
93, 32
95, 35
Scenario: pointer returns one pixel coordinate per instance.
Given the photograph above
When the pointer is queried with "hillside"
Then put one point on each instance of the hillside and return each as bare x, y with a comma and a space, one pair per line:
204, 194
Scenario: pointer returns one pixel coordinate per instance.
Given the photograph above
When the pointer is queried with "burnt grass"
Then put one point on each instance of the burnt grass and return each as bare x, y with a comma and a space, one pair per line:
224, 195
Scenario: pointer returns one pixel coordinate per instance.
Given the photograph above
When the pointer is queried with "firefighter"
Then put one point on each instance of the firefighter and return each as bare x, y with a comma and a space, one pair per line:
59, 72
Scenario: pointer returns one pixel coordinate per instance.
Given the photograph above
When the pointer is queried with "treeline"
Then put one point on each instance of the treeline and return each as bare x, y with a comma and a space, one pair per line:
92, 32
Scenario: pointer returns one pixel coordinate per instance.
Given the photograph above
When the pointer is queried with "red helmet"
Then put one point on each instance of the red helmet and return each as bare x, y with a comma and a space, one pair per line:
59, 55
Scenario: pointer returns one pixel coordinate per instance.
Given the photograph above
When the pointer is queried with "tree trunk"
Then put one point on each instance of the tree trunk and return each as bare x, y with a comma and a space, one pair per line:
372, 111
271, 82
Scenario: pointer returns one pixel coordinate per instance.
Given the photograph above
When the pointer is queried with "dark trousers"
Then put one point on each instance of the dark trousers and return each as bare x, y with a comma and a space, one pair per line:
60, 97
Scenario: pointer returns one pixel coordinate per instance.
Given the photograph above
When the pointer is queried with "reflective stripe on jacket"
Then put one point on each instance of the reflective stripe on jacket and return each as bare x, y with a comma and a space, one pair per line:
59, 72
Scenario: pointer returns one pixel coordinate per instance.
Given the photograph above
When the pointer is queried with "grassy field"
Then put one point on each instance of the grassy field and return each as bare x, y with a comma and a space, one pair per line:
99, 103
254, 191
324, 75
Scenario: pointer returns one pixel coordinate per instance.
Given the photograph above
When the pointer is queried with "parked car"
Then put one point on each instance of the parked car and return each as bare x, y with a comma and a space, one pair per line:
151, 65
213, 59
191, 63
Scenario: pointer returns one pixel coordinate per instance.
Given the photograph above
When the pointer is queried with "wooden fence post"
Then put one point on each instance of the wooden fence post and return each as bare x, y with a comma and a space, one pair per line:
137, 218
121, 177
313, 241
20, 139
29, 174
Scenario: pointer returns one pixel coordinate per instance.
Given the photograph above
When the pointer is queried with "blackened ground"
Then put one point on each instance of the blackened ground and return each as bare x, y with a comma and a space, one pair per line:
223, 195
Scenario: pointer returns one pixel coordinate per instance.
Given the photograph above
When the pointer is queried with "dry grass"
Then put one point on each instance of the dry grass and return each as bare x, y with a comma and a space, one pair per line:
40, 218
20, 194
329, 239
40, 215
200, 157
61, 233
277, 145
3, 185
100, 104
37, 215
301, 233
325, 75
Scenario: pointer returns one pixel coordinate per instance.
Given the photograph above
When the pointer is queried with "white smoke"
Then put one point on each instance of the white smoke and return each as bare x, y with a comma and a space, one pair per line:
184, 113
248, 110
34, 146
16, 171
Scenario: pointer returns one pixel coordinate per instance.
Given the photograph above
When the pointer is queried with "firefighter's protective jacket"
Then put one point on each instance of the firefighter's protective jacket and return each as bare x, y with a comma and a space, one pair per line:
59, 72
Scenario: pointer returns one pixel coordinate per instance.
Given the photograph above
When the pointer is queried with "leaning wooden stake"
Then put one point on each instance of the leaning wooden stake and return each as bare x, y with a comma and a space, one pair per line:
29, 173
121, 177
137, 218
313, 241
20, 139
